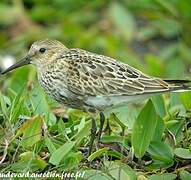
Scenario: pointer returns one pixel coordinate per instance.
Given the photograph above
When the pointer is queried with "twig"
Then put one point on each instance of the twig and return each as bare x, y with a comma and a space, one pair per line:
5, 151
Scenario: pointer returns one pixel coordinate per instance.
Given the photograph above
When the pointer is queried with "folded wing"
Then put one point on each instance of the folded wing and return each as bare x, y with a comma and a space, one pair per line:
97, 75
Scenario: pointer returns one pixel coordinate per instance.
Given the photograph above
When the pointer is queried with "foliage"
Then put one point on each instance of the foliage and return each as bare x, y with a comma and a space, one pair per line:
149, 140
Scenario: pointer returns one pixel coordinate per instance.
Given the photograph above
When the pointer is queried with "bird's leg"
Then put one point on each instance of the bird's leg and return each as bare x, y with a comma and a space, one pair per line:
93, 135
108, 128
102, 120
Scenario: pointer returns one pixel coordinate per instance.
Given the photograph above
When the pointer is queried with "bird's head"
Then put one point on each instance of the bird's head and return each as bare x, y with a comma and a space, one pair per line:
40, 53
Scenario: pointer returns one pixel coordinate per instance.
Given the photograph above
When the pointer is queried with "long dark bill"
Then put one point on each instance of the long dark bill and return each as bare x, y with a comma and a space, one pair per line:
26, 60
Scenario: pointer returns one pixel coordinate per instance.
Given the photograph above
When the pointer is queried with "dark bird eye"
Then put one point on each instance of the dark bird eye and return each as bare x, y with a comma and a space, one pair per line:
42, 50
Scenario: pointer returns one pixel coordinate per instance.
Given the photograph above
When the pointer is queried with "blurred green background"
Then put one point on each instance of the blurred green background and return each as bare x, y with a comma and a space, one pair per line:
151, 35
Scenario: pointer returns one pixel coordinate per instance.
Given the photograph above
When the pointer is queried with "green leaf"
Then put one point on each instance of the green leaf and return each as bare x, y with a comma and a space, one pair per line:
35, 159
160, 127
143, 129
175, 127
161, 154
62, 129
96, 174
82, 124
120, 171
166, 176
184, 175
116, 154
97, 153
62, 151
50, 145
125, 116
115, 118
40, 105
182, 153
3, 101
32, 131
17, 105
168, 6
116, 139
84, 132
111, 139
19, 79
185, 98
159, 104
71, 161
28, 156
160, 149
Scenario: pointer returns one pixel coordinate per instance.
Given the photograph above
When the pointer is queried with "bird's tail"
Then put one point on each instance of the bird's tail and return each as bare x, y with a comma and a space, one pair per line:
179, 85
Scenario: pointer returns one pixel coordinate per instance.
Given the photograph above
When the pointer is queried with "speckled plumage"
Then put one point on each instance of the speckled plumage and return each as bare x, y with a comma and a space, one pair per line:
91, 82
88, 81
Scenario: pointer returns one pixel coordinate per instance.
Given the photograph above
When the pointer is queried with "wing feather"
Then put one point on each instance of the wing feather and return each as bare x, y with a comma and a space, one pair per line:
97, 75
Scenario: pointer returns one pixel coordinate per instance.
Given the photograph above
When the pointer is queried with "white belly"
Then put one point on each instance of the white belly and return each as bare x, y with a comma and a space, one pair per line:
103, 102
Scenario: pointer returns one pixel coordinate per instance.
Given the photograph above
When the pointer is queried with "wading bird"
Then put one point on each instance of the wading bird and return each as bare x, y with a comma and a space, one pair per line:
91, 82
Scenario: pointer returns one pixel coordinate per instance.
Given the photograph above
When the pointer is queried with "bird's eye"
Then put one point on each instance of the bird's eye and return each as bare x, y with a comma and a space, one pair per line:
42, 50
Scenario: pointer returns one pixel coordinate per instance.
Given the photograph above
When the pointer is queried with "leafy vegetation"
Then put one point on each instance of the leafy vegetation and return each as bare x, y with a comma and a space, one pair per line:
144, 140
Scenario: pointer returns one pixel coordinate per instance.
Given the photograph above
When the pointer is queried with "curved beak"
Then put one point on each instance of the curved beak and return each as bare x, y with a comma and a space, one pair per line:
26, 60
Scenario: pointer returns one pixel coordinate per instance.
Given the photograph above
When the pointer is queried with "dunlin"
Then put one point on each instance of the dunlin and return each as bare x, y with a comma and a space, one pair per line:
91, 82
